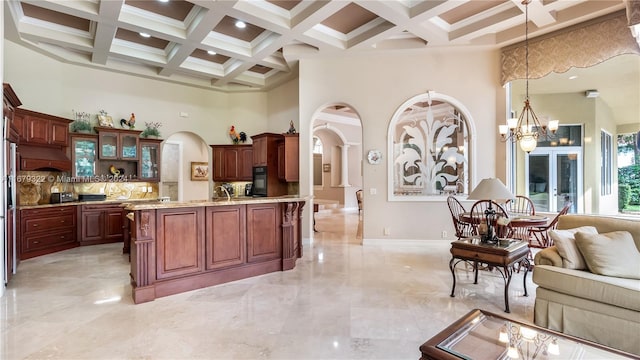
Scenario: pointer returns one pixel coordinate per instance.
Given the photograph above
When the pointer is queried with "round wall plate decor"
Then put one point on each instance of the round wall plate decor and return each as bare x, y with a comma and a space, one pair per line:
374, 157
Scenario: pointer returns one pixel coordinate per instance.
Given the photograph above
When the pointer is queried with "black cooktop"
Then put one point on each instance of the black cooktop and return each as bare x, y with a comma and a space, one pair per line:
92, 197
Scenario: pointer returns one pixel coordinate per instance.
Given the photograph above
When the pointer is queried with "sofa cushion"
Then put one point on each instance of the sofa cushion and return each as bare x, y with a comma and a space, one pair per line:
566, 243
584, 284
604, 224
611, 254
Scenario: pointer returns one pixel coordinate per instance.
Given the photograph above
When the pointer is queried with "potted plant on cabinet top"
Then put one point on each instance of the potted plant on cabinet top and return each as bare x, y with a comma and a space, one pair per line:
81, 122
151, 130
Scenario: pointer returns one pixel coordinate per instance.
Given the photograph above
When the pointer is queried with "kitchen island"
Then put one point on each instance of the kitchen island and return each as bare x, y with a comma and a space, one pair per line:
183, 246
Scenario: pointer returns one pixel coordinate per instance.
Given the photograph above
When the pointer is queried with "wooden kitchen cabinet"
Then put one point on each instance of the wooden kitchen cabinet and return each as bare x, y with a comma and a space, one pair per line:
225, 241
179, 242
264, 232
101, 224
260, 149
149, 166
42, 129
84, 155
118, 144
232, 162
288, 158
265, 153
47, 230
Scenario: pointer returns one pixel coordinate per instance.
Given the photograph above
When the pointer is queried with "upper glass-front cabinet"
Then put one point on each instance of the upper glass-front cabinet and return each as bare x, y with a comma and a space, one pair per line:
149, 160
129, 147
118, 144
84, 155
108, 146
430, 149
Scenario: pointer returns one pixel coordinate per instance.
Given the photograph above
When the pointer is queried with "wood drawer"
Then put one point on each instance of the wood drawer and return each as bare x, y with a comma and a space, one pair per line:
101, 206
494, 259
62, 221
48, 211
45, 240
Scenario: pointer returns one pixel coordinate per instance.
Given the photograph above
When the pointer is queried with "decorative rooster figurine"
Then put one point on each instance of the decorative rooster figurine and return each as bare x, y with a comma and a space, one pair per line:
131, 123
234, 135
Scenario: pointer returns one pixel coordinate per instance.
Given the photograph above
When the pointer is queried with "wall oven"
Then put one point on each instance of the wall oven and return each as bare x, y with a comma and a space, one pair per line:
259, 181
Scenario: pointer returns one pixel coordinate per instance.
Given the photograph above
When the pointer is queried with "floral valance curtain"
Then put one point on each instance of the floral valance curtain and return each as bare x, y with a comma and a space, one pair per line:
583, 45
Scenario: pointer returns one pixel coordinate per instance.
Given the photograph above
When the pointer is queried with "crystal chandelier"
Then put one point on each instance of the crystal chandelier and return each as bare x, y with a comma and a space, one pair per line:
527, 128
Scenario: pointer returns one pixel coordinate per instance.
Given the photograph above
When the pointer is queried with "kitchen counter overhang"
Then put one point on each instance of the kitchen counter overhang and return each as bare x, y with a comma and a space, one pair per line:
183, 246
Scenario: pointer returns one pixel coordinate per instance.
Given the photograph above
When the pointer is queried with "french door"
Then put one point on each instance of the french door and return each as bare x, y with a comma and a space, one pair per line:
554, 177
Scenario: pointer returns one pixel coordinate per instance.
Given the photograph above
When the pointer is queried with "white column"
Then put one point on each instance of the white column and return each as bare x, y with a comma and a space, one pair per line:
344, 177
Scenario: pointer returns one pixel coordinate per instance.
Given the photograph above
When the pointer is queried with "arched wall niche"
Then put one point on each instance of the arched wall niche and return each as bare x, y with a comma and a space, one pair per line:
431, 149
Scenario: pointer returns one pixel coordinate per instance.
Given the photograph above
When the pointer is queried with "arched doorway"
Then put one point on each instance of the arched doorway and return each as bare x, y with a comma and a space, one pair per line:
337, 159
178, 152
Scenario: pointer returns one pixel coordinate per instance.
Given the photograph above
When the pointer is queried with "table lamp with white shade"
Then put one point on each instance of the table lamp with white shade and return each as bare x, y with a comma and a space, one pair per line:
490, 189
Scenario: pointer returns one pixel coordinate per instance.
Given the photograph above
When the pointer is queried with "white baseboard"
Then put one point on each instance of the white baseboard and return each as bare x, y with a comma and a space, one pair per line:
405, 242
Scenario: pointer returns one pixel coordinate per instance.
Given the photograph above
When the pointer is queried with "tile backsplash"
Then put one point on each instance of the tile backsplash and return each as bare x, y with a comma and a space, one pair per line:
35, 187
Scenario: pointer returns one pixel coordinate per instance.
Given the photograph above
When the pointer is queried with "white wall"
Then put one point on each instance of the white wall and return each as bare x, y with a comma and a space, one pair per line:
55, 88
282, 107
375, 86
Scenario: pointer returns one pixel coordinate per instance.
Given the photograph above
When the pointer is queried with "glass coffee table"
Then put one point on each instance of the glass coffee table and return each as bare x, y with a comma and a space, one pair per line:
484, 335
502, 256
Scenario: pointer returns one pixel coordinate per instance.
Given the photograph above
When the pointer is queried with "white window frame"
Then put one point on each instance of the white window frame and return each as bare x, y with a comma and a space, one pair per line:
606, 165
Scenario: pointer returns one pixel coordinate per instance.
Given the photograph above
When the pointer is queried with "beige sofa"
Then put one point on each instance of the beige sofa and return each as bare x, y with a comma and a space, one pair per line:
599, 308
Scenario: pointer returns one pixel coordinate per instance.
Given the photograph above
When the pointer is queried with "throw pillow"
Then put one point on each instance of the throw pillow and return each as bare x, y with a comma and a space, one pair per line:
611, 254
566, 244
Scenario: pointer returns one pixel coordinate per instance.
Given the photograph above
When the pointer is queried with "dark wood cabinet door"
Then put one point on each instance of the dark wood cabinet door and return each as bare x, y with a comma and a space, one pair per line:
19, 124
218, 163
179, 242
291, 157
113, 224
225, 244
245, 171
281, 161
59, 134
259, 151
263, 232
92, 227
231, 164
37, 130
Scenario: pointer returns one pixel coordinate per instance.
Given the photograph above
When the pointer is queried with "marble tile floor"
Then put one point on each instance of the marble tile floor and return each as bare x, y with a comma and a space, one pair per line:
342, 301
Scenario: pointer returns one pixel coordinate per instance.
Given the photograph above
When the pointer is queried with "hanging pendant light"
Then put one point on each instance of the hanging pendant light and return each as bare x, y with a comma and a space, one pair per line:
527, 128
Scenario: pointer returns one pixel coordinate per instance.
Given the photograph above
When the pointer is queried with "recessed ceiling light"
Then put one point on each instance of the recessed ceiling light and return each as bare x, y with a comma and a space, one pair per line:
240, 24
573, 77
211, 52
145, 35
164, 1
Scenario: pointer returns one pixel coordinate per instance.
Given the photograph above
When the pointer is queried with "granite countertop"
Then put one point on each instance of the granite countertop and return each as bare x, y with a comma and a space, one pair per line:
99, 202
222, 201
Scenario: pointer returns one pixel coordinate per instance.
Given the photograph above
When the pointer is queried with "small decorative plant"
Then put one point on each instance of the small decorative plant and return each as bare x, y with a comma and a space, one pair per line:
151, 129
81, 122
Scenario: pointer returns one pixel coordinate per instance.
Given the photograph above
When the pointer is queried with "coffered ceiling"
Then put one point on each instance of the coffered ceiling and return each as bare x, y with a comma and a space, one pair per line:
197, 42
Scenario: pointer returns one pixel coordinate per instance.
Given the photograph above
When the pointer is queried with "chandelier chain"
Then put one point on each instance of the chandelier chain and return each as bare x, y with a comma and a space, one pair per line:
527, 128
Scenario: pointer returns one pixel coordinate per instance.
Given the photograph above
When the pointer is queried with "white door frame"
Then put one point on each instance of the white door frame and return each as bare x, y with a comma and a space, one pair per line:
552, 187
